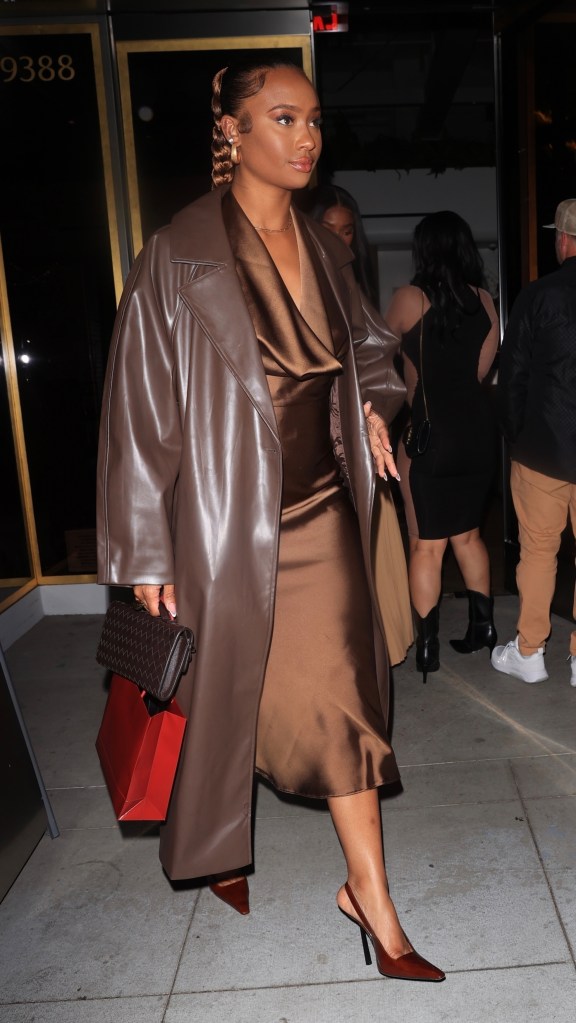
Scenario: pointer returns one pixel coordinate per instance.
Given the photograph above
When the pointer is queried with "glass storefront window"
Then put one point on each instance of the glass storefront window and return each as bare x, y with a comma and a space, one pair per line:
59, 274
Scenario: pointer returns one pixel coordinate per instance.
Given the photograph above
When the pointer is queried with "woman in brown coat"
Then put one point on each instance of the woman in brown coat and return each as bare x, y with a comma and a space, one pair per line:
240, 430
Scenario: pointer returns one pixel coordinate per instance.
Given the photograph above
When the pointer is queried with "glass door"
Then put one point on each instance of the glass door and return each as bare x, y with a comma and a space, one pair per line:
61, 276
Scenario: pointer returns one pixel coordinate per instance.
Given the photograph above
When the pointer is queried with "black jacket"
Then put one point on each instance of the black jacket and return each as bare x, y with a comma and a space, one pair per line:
537, 376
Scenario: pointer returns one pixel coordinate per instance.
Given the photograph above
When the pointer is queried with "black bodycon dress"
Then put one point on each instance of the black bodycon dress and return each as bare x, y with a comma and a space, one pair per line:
450, 482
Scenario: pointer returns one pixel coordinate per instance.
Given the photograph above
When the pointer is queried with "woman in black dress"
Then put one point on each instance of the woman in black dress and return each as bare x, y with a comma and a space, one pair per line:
449, 330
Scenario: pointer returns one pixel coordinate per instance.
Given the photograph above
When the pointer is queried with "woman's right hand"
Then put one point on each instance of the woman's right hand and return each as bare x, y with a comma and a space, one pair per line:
149, 596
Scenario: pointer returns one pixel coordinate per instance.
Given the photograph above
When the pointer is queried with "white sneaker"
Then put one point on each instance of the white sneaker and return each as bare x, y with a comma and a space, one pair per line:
529, 668
572, 659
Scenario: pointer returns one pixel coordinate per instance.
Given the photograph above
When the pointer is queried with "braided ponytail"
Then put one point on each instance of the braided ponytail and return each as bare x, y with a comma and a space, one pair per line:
222, 166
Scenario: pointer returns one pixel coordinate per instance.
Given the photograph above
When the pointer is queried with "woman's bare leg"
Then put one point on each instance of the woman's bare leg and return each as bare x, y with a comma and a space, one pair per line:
473, 561
425, 574
359, 829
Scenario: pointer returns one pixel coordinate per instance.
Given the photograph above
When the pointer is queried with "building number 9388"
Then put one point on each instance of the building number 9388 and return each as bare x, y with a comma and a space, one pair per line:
37, 69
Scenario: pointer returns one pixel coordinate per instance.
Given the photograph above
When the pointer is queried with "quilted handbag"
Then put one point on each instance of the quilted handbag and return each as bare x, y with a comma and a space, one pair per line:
152, 652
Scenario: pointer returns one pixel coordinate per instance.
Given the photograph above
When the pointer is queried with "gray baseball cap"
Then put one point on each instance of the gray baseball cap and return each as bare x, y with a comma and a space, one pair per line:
565, 217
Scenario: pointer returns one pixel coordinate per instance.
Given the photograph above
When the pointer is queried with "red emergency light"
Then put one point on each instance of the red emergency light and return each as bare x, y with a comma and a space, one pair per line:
330, 17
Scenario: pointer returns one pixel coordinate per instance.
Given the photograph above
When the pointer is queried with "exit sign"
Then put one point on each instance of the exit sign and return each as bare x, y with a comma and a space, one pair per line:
330, 17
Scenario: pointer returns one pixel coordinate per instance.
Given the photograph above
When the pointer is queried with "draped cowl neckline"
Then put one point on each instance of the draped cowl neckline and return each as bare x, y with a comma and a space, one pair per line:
318, 324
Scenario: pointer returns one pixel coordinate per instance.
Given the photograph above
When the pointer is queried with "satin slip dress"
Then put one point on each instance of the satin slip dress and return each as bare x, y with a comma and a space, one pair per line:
321, 729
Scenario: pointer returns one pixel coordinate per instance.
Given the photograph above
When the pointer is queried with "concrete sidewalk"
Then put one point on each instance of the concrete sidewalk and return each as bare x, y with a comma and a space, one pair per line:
481, 851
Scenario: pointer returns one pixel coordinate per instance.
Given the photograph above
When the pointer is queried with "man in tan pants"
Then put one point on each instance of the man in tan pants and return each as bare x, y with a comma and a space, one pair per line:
537, 395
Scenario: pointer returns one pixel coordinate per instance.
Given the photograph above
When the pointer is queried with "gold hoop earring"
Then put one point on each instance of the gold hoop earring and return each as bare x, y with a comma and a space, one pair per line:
234, 154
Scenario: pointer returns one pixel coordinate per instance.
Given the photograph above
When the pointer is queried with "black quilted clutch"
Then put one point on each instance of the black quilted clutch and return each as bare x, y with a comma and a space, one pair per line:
152, 652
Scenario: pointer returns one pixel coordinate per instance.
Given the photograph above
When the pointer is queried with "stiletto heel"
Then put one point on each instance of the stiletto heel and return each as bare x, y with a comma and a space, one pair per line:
427, 643
366, 947
410, 966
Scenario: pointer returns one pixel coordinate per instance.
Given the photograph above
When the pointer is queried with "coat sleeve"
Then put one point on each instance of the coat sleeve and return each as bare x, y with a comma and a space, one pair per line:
380, 381
140, 440
514, 368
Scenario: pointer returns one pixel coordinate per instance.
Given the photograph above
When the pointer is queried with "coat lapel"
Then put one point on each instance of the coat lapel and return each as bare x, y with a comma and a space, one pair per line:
335, 257
214, 297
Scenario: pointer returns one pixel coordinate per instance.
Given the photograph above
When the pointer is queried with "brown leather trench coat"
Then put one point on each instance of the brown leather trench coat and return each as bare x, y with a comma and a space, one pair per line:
189, 491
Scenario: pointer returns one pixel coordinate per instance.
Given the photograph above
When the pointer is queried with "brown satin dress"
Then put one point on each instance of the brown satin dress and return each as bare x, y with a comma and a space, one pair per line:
321, 730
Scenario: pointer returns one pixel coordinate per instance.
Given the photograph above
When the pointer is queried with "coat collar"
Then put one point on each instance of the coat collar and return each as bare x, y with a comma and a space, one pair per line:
197, 235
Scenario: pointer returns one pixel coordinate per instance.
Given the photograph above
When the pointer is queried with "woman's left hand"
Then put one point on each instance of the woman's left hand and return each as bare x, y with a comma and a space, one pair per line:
380, 443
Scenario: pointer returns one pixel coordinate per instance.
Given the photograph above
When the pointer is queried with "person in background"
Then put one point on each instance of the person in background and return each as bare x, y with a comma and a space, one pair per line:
537, 400
449, 331
338, 211
244, 420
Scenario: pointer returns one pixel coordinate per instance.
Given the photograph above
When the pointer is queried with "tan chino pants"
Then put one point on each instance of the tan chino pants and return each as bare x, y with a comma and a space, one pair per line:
542, 505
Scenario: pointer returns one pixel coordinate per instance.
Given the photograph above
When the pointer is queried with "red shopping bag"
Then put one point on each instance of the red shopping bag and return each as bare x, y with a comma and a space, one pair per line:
139, 752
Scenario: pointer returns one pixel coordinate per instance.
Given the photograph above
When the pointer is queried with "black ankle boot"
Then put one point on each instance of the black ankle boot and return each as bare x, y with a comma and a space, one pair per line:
480, 631
427, 643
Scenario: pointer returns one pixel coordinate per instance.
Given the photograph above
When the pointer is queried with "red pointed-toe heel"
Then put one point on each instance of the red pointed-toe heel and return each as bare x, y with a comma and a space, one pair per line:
407, 967
234, 893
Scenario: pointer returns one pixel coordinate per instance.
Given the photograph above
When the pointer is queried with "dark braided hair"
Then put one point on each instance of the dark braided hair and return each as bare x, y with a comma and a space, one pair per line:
446, 261
231, 86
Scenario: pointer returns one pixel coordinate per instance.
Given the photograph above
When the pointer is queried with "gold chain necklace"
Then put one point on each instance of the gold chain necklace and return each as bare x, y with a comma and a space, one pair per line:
275, 230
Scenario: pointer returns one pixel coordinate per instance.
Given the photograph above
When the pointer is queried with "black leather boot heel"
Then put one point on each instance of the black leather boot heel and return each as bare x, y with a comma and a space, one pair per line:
481, 631
427, 642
